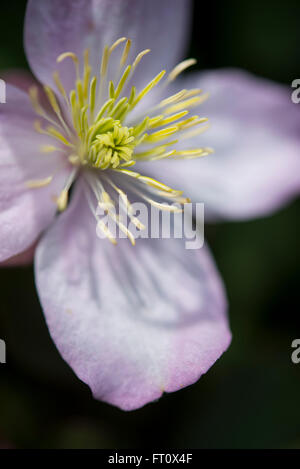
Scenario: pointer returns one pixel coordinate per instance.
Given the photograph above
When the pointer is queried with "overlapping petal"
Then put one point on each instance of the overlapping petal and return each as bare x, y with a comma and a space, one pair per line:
23, 259
132, 322
54, 27
19, 78
255, 132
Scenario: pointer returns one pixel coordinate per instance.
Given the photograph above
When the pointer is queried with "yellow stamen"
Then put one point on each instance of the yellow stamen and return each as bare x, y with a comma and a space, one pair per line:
52, 100
125, 53
39, 183
128, 206
194, 133
54, 133
122, 81
163, 206
72, 56
172, 99
187, 104
194, 153
60, 87
104, 64
101, 136
104, 108
191, 93
62, 201
107, 233
87, 74
180, 68
108, 206
149, 87
139, 58
116, 44
156, 184
155, 151
188, 123
161, 134
48, 149
34, 98
170, 119
92, 100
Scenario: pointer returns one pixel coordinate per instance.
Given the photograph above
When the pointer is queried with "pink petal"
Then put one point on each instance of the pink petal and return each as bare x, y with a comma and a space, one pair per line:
23, 259
24, 212
19, 78
255, 132
54, 27
132, 322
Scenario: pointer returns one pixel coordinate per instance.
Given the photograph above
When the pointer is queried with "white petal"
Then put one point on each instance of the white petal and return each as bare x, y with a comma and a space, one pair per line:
132, 322
54, 27
255, 133
24, 212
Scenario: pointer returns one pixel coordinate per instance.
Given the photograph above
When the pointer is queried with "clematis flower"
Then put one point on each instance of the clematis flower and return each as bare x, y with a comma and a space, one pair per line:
132, 322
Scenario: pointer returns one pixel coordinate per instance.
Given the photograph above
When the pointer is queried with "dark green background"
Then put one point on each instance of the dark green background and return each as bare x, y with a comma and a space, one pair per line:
250, 398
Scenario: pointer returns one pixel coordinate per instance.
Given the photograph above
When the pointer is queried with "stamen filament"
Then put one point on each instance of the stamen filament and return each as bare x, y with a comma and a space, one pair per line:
125, 53
180, 68
39, 183
149, 87
72, 56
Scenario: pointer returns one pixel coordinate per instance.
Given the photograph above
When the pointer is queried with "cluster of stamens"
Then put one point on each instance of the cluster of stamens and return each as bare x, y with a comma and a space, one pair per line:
92, 124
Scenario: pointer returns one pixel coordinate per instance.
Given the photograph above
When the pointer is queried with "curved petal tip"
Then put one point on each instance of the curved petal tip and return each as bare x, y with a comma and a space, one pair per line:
132, 322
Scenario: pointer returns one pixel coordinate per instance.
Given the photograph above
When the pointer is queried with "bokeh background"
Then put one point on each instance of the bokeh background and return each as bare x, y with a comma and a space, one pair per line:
250, 398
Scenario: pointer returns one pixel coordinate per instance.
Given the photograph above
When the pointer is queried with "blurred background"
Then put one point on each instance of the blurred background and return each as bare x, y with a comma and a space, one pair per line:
250, 398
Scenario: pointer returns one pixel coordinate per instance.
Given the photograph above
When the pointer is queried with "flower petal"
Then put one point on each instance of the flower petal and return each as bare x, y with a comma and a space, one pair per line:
132, 322
54, 27
255, 132
19, 78
23, 259
24, 212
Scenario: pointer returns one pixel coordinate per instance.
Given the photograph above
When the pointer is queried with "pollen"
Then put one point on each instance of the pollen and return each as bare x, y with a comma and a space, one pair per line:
103, 129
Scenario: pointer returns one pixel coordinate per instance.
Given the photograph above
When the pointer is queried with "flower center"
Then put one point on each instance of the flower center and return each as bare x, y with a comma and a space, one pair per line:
95, 127
112, 147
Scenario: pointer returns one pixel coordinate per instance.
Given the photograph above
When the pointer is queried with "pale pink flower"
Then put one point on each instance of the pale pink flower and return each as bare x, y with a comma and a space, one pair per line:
132, 322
